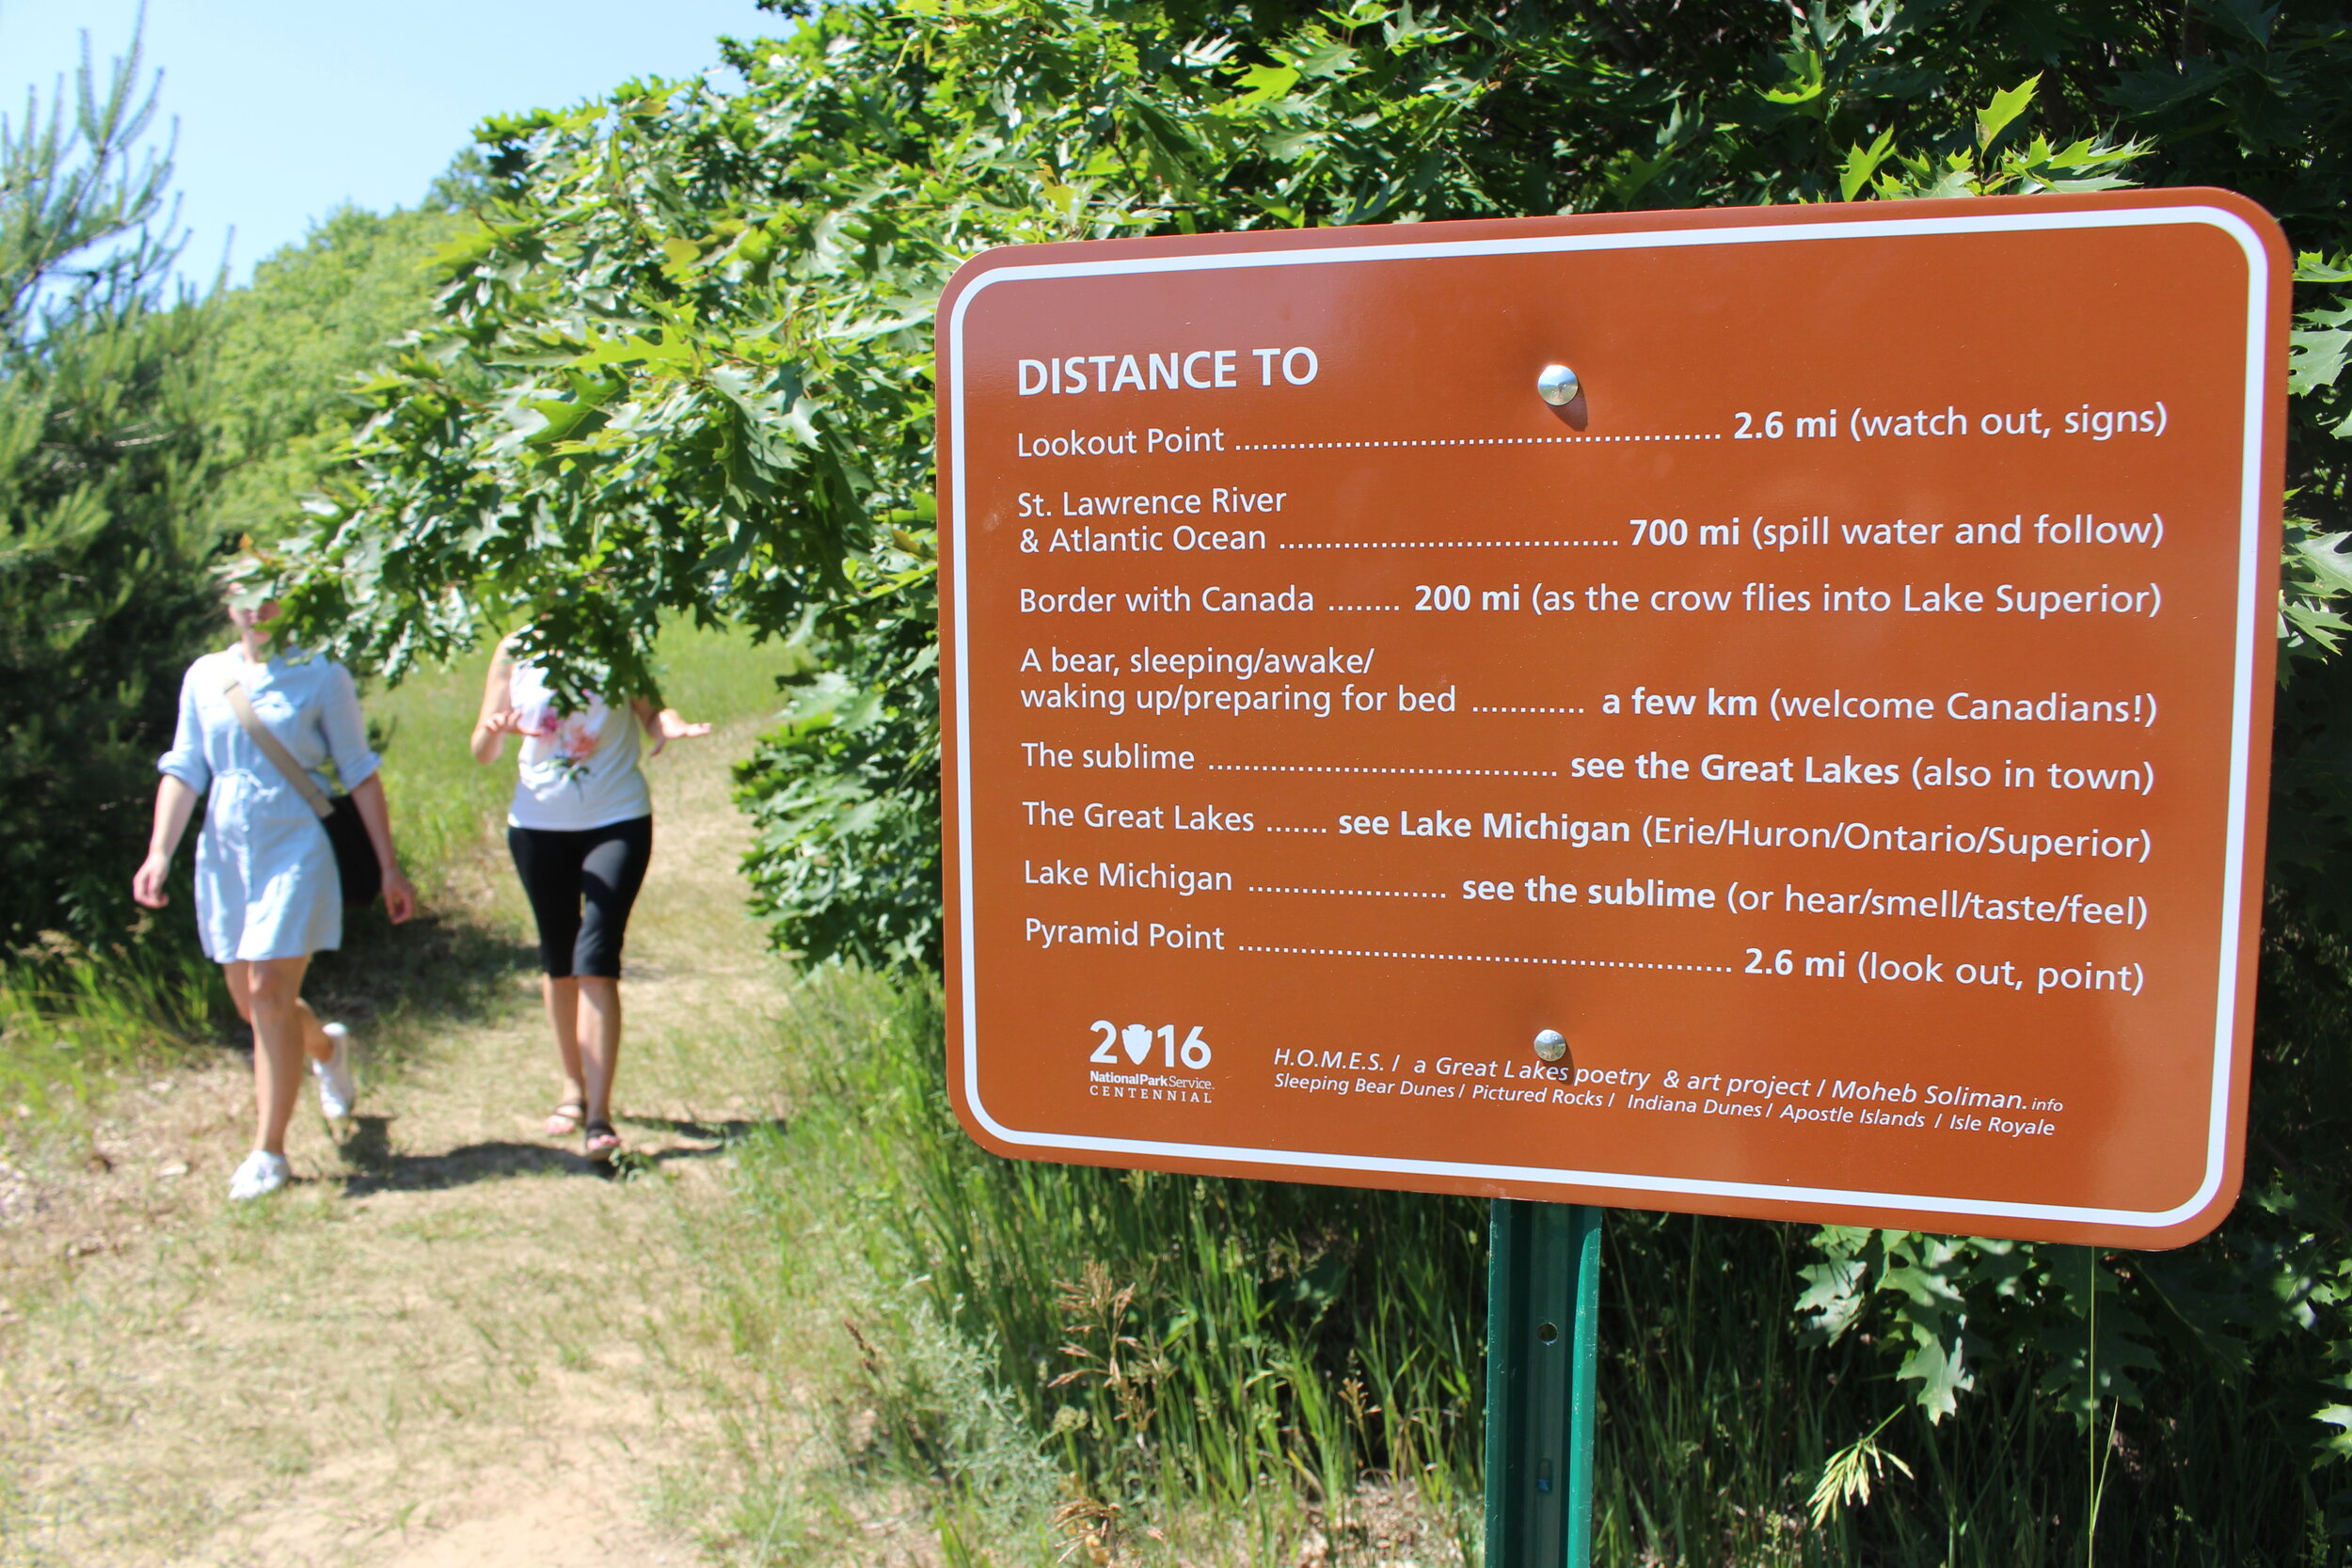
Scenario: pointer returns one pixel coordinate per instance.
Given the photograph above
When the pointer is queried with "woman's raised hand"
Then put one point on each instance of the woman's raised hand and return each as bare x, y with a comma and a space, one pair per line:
669, 724
491, 730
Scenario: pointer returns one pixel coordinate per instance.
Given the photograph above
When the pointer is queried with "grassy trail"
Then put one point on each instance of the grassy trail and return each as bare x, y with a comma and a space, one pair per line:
451, 1342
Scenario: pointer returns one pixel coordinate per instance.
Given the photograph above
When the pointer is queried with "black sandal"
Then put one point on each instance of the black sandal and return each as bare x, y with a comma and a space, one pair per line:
600, 1142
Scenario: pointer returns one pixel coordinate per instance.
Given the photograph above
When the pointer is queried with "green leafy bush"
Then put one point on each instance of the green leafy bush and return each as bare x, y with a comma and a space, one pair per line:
1174, 1344
844, 796
291, 345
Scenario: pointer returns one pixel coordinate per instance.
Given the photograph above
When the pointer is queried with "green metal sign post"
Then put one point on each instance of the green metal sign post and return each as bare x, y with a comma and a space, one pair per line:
1543, 1321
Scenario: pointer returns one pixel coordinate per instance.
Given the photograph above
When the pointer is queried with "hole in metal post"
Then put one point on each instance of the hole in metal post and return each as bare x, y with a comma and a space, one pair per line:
1546, 1332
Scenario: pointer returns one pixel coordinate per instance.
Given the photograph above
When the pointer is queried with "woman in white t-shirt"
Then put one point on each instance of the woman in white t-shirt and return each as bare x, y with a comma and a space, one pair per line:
581, 830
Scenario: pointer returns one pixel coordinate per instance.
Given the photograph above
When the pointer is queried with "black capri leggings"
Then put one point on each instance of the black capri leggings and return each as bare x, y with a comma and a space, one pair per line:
599, 867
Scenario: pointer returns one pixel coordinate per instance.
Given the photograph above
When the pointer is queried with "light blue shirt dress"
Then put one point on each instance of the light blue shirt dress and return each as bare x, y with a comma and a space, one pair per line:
265, 880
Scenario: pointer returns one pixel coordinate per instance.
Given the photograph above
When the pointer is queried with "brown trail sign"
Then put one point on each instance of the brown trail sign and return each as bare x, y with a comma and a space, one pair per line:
1777, 650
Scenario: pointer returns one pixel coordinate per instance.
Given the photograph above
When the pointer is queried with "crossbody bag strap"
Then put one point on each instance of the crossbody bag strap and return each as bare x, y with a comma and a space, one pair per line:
276, 751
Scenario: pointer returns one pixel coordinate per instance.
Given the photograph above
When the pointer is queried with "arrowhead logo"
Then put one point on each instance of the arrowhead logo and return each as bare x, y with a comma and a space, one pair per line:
1109, 1040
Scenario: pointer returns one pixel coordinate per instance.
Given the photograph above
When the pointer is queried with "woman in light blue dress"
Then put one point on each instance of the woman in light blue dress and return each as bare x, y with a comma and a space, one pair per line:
267, 893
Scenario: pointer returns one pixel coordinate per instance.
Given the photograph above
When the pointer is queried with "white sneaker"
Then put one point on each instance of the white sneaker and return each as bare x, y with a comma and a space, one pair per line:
261, 1174
337, 1089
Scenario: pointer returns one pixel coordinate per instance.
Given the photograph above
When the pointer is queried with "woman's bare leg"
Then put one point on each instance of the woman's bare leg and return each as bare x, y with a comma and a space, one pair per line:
314, 1041
240, 978
563, 999
599, 1040
285, 1031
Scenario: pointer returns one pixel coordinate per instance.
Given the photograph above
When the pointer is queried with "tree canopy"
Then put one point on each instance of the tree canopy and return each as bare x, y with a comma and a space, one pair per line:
683, 368
290, 345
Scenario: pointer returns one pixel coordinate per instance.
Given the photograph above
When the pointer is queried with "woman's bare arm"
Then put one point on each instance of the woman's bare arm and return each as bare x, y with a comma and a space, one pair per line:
400, 899
664, 724
498, 706
175, 803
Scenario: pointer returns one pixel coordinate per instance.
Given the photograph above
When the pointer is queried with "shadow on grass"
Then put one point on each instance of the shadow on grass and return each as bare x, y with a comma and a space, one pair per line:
492, 1161
369, 1147
722, 1132
406, 983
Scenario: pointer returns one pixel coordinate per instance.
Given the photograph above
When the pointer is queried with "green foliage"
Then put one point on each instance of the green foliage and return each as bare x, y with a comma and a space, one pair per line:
844, 796
71, 1021
103, 478
1159, 1338
1956, 1302
292, 344
685, 366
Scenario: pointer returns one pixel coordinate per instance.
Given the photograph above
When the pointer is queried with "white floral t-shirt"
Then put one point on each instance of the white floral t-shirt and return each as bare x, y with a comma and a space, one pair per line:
579, 770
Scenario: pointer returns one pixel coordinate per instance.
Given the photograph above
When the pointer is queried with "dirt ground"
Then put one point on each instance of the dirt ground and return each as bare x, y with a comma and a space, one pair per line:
453, 1341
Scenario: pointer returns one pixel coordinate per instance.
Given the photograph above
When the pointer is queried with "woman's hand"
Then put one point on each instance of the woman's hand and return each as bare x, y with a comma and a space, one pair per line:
669, 724
400, 897
490, 733
147, 883
175, 803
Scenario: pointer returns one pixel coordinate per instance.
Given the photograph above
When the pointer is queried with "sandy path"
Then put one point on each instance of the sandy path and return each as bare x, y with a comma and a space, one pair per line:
452, 1344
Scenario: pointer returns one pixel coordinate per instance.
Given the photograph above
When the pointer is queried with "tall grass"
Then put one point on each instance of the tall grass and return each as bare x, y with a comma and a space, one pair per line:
1211, 1366
71, 1023
1231, 1364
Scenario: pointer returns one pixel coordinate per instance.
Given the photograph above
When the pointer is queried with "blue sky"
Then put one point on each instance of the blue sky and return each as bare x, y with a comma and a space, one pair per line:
287, 108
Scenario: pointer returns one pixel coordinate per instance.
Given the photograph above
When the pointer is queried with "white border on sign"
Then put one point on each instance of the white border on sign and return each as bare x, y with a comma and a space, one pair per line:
2249, 625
